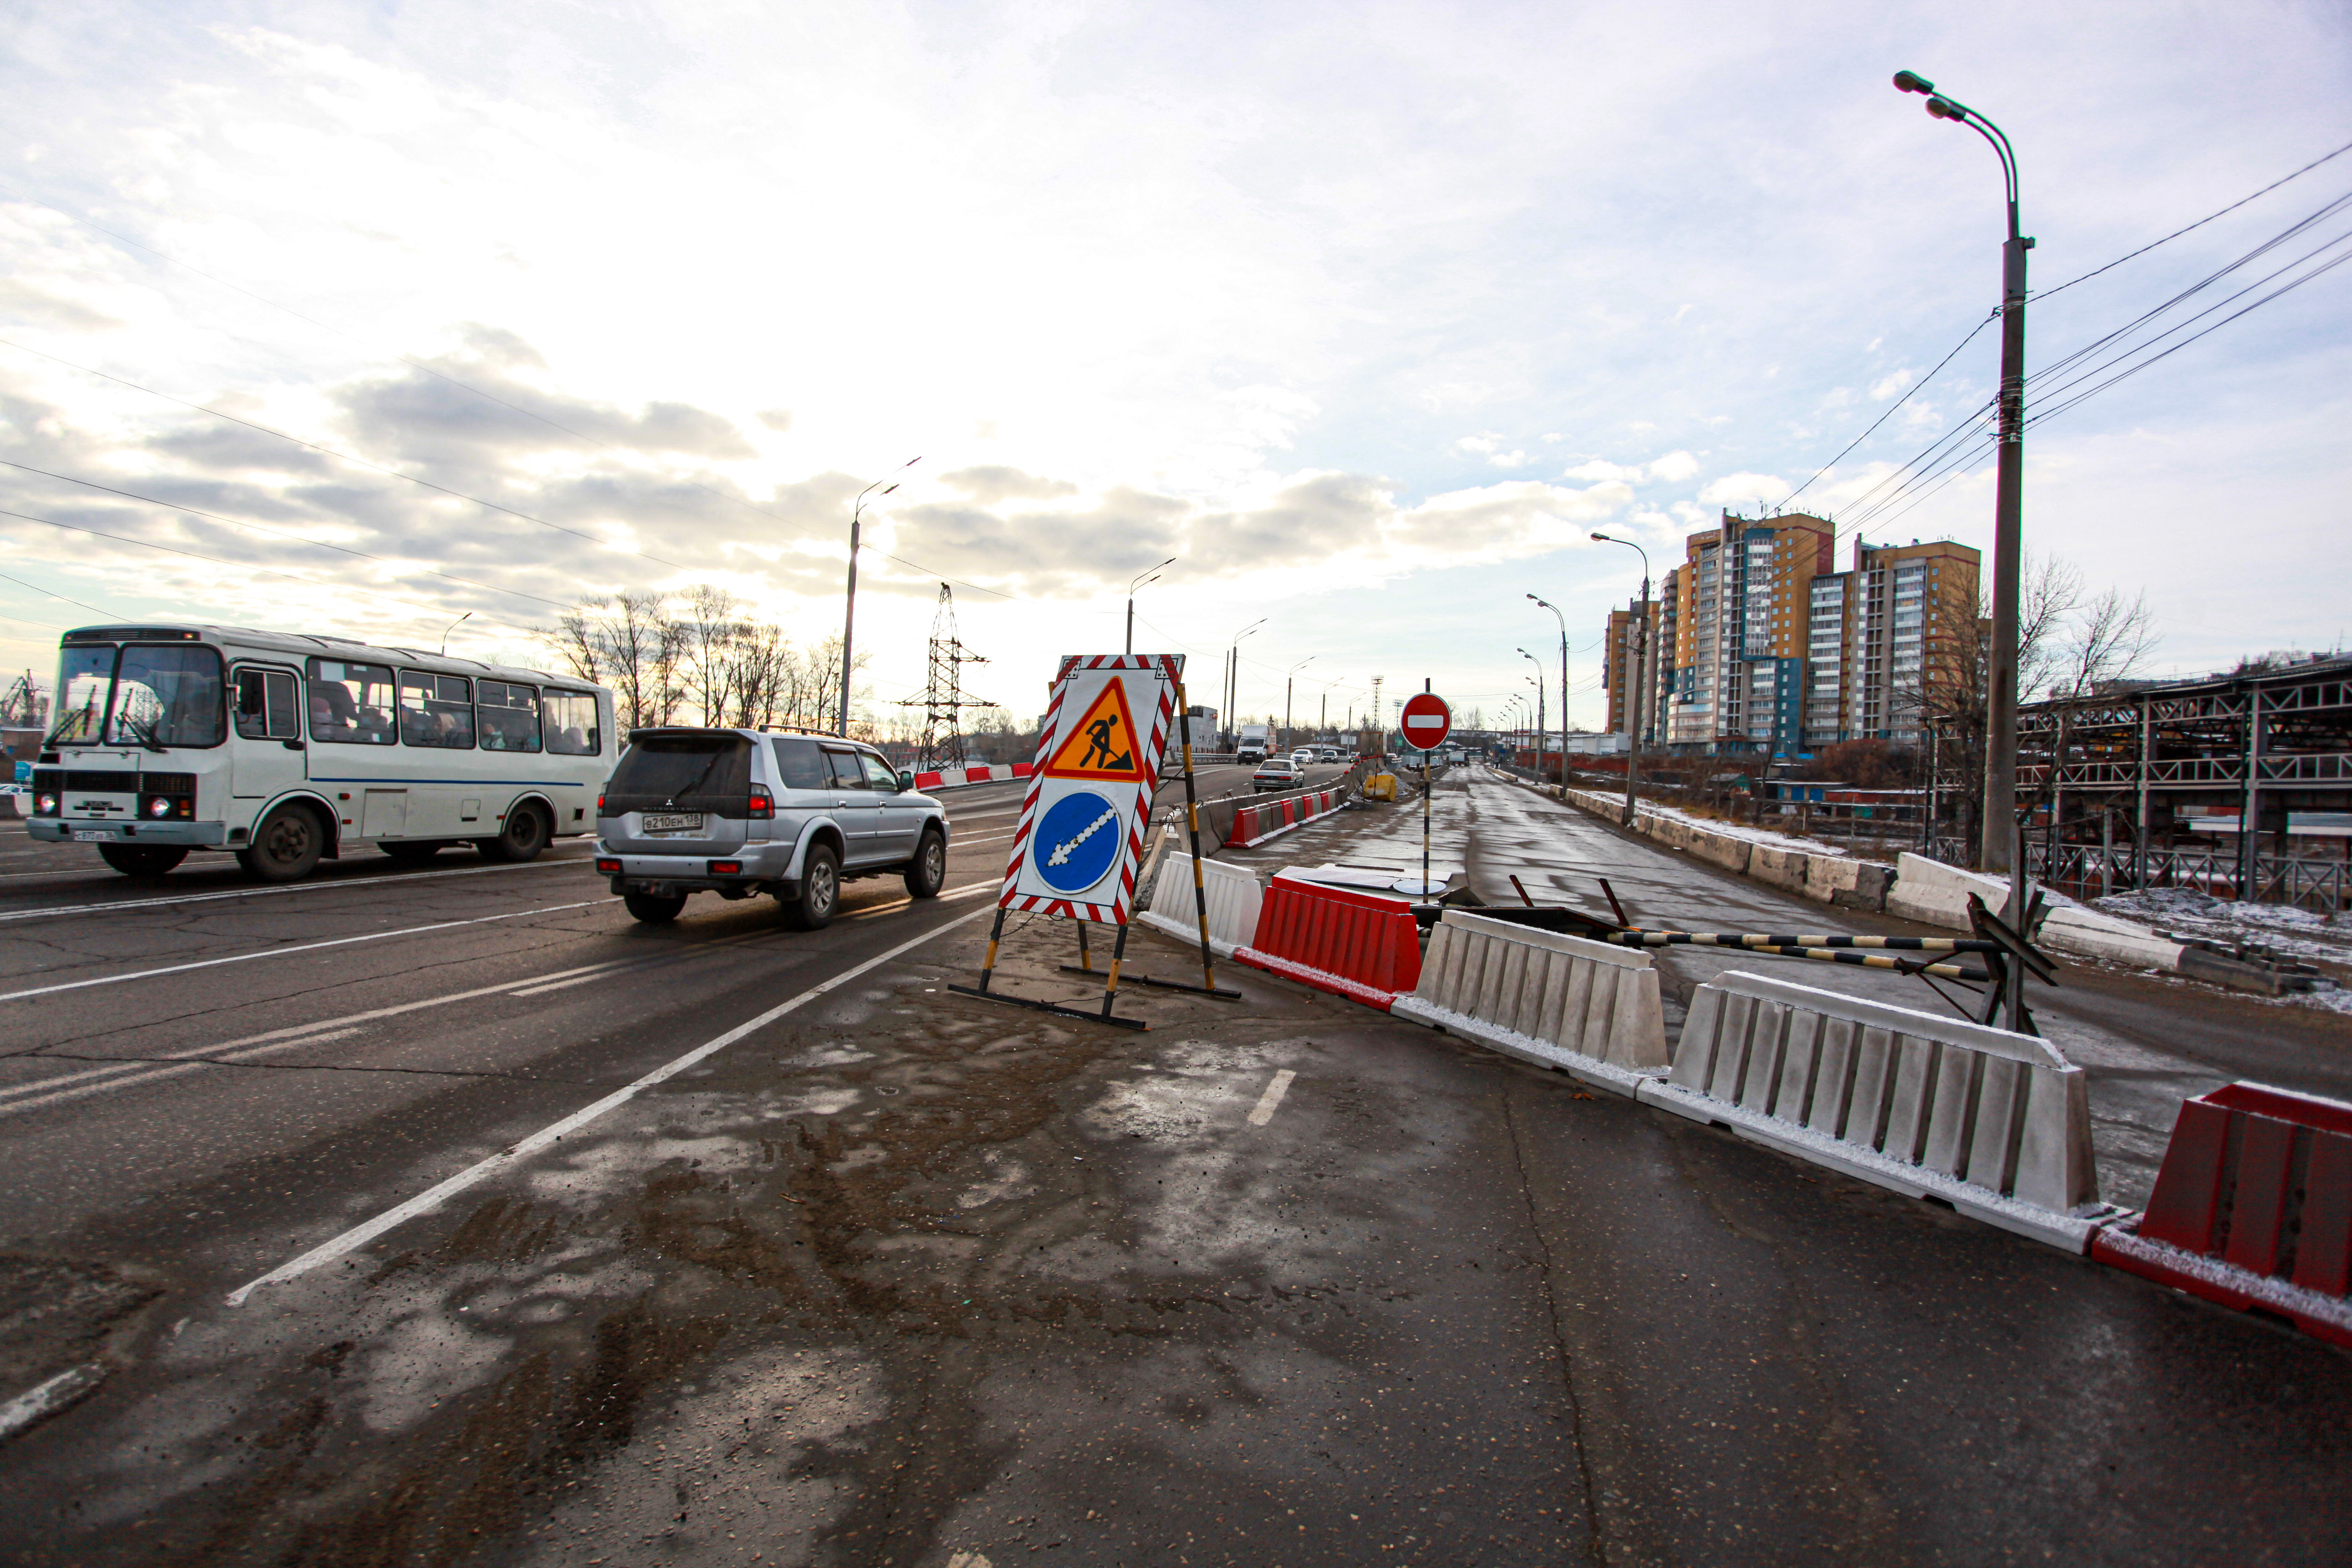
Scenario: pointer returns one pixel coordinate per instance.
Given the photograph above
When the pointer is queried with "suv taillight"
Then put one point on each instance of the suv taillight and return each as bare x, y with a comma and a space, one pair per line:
763, 804
600, 806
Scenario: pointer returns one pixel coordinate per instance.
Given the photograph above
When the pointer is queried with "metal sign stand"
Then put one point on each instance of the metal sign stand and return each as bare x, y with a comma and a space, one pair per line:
1208, 987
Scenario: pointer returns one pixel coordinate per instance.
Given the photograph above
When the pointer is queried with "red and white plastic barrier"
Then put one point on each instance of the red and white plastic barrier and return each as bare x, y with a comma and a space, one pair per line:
1359, 945
955, 778
1254, 825
2253, 1209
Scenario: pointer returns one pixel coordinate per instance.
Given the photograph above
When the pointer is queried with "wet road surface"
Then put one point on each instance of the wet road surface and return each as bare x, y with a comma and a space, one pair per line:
906, 1277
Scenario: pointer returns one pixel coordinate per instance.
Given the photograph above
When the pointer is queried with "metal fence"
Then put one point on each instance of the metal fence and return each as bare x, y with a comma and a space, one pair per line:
2093, 871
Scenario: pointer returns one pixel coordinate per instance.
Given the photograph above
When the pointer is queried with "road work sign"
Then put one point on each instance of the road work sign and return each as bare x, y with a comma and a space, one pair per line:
1426, 721
1080, 839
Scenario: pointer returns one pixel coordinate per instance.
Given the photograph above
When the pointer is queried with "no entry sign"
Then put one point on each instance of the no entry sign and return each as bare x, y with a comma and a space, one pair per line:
1426, 720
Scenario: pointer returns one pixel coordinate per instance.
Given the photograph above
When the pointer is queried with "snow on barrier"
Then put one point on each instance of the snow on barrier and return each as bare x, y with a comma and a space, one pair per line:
1585, 1007
1360, 946
1234, 897
1996, 1124
2253, 1209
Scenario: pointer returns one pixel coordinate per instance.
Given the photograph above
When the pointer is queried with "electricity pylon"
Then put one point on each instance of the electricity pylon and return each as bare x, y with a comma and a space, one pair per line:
943, 701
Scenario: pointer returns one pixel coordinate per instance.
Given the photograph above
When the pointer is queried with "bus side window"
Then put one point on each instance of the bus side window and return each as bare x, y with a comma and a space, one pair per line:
267, 705
507, 715
571, 718
435, 711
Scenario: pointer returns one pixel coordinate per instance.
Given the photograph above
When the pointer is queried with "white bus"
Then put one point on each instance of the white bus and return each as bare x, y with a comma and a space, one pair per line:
286, 750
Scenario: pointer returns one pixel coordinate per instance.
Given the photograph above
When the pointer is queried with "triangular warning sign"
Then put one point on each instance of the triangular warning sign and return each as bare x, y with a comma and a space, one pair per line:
1102, 745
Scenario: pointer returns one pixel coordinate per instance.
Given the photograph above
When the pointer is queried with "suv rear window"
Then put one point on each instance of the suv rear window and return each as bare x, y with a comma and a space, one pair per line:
697, 772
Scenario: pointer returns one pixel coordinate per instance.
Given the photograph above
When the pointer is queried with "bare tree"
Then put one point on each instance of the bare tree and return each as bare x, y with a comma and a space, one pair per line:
630, 643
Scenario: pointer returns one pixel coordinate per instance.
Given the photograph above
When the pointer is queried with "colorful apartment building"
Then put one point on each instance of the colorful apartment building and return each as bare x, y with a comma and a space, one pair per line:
1758, 645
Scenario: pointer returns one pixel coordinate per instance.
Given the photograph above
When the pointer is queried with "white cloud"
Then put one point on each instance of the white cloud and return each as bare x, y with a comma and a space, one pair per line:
1599, 468
1888, 385
1733, 489
1484, 442
1673, 467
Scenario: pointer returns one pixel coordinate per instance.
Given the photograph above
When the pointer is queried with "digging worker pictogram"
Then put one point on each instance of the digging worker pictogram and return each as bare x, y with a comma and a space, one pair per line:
1098, 743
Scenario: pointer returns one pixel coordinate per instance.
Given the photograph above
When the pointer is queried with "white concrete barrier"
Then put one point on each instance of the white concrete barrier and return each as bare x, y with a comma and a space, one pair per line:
2071, 928
1936, 894
1586, 1007
1234, 898
1994, 1123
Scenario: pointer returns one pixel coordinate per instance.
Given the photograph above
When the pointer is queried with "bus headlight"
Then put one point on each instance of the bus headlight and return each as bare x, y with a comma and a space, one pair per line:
45, 806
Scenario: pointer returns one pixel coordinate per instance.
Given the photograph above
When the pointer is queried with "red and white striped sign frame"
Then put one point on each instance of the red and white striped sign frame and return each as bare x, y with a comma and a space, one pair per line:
1169, 668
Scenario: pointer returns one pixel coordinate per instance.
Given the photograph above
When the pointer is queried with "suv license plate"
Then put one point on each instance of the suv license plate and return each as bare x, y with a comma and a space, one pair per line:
672, 821
101, 836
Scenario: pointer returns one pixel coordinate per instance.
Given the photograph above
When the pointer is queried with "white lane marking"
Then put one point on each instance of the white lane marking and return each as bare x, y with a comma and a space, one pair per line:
1272, 1098
289, 888
49, 1398
967, 891
434, 1196
543, 988
290, 951
133, 1075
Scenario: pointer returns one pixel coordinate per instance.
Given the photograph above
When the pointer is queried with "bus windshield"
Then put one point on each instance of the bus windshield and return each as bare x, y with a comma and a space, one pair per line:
137, 696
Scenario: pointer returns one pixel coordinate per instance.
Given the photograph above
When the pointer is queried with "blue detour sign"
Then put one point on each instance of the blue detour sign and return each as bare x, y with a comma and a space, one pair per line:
1076, 841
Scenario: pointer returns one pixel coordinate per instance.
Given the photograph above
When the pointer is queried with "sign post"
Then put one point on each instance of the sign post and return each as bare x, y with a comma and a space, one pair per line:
1080, 838
1426, 720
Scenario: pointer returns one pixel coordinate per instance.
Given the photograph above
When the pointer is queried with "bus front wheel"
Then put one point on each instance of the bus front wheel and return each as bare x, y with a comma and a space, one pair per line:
286, 846
140, 860
526, 835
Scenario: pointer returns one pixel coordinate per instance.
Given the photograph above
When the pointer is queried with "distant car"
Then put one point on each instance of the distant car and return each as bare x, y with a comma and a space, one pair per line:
1328, 755
1304, 756
1275, 773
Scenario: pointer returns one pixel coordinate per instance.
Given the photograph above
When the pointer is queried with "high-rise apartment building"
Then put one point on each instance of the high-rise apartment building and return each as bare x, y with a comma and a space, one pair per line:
1758, 646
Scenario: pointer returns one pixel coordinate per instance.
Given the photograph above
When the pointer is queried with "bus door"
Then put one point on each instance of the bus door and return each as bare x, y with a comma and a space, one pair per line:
268, 756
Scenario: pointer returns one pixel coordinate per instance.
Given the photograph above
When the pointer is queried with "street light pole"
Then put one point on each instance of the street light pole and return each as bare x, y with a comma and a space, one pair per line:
1234, 682
1287, 679
1998, 836
1634, 676
1548, 605
1143, 579
849, 609
1536, 681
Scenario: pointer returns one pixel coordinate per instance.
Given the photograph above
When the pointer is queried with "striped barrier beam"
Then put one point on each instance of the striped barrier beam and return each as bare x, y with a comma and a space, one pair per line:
1639, 937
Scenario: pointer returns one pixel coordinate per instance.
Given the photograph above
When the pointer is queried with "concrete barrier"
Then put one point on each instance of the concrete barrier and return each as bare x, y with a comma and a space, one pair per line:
1994, 1123
1936, 894
1721, 849
1848, 883
2069, 928
1233, 896
1783, 869
1585, 1007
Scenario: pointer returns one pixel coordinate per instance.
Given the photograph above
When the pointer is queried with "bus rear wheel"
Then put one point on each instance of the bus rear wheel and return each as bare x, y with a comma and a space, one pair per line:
286, 846
139, 860
526, 835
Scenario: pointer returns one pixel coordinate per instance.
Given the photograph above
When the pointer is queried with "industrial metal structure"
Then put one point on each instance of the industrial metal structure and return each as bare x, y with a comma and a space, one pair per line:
943, 701
2238, 784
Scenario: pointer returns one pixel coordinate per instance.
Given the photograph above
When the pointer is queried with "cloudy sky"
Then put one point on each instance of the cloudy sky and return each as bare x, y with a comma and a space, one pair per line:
1370, 314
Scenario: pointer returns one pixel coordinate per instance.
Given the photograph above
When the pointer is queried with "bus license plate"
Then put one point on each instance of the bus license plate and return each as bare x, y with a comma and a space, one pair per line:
672, 821
100, 837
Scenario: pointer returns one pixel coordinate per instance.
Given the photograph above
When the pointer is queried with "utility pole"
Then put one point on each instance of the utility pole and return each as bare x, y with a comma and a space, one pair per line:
849, 609
1999, 822
1638, 660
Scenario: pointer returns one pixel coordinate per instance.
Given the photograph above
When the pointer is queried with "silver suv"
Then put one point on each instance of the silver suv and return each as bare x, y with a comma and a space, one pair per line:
740, 812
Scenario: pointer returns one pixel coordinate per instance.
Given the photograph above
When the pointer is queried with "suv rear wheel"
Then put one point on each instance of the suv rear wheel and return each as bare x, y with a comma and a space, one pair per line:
926, 873
653, 908
820, 892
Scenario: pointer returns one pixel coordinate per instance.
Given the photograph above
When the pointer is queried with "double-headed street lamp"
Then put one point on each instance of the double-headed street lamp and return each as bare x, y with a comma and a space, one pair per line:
1142, 579
1997, 838
849, 610
1234, 680
1641, 640
1548, 605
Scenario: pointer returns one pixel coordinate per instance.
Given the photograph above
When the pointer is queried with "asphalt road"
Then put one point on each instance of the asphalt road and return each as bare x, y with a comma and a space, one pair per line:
903, 1278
